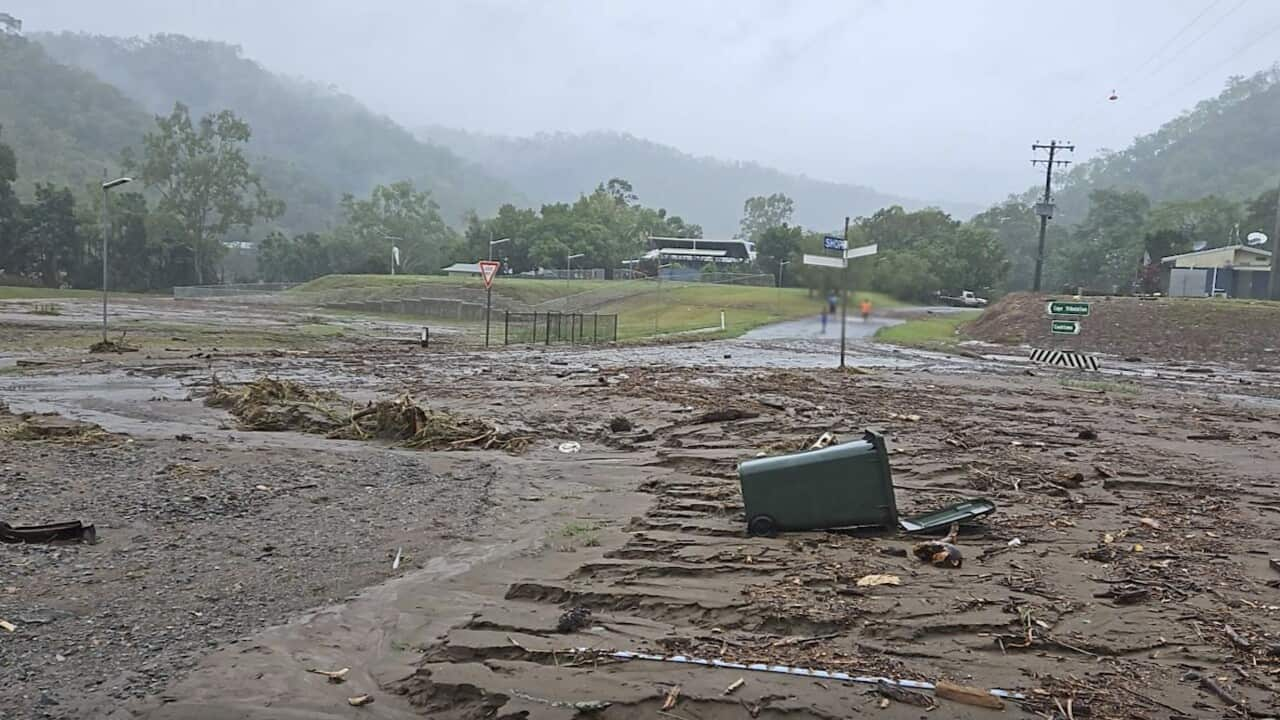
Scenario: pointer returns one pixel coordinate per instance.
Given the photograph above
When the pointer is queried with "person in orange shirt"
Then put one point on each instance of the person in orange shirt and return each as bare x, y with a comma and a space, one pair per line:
865, 306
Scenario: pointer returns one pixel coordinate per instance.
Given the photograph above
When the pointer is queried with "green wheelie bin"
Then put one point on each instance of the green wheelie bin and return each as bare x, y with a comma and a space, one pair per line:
844, 485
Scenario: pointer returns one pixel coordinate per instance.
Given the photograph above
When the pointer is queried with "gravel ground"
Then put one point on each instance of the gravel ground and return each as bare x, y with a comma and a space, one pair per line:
220, 540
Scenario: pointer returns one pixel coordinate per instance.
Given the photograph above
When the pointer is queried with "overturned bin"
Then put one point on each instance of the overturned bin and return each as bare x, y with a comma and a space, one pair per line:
844, 485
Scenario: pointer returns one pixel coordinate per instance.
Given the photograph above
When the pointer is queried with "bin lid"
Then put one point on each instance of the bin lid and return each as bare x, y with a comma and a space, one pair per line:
961, 512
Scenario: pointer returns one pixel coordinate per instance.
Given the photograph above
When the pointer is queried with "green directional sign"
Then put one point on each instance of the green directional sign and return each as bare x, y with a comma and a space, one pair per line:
1065, 327
1069, 308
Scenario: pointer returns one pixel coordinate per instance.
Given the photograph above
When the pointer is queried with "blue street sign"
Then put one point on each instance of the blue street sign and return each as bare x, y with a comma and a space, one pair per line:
834, 243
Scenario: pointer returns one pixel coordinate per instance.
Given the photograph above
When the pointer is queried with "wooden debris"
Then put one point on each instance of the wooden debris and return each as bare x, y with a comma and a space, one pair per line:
7, 626
1210, 685
673, 696
360, 700
967, 695
733, 687
724, 415
335, 676
902, 695
1150, 522
877, 579
1236, 638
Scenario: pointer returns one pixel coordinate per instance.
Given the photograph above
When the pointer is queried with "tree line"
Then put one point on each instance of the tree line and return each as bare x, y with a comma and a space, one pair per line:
1118, 245
919, 253
195, 186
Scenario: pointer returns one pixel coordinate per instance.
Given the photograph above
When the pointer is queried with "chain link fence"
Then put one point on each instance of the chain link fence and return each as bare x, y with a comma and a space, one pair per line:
545, 328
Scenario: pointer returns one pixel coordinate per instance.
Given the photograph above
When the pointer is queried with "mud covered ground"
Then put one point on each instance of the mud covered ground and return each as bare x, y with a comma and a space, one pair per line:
1245, 333
1126, 572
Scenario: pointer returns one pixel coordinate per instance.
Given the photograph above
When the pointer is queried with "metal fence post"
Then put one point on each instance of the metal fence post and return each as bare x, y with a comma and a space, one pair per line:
615, 328
506, 327
548, 327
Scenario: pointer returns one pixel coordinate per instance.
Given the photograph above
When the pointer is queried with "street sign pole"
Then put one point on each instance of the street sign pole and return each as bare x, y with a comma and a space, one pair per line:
488, 271
844, 288
841, 262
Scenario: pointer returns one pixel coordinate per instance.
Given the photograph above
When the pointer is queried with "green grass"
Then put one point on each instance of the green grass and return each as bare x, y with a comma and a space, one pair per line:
681, 307
677, 306
525, 290
24, 293
577, 529
930, 331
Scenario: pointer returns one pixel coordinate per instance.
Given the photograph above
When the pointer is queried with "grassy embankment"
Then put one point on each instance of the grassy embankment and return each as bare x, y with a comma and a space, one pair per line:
934, 331
641, 305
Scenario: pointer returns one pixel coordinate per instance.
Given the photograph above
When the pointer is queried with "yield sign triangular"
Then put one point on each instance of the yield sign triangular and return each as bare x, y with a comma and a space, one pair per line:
488, 271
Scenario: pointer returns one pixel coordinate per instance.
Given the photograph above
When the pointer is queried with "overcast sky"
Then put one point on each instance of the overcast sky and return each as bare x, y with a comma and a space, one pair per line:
929, 98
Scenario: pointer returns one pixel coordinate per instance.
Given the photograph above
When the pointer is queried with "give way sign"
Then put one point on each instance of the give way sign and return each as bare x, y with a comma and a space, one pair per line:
488, 271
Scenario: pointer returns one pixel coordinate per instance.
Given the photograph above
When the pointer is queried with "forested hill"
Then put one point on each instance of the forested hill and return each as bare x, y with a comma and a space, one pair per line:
1226, 146
314, 143
65, 124
557, 167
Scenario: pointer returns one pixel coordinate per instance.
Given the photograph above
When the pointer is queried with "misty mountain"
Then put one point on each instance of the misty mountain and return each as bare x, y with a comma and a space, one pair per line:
1226, 146
64, 124
313, 143
558, 167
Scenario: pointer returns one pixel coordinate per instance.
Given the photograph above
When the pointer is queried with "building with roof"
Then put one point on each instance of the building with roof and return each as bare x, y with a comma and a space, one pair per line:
700, 250
462, 270
1237, 271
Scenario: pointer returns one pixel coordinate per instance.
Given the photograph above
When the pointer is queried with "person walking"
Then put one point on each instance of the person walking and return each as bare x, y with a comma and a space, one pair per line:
824, 322
865, 307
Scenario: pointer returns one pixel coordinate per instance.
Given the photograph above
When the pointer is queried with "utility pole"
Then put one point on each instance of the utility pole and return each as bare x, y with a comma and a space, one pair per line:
1044, 208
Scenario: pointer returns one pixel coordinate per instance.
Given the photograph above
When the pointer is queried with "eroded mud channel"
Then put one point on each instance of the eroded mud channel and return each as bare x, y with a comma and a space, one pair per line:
1126, 573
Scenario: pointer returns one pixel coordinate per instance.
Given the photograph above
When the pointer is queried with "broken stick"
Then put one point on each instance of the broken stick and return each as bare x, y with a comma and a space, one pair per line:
902, 695
967, 695
673, 695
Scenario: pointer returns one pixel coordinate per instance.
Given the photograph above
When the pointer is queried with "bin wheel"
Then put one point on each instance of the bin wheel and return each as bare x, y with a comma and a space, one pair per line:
762, 525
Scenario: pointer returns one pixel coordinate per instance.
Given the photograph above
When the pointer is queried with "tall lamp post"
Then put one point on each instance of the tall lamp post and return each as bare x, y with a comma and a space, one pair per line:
496, 242
568, 263
394, 252
106, 231
781, 266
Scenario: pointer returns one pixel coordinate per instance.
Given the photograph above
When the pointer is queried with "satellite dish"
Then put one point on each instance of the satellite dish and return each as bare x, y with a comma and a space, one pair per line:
1256, 238
1199, 246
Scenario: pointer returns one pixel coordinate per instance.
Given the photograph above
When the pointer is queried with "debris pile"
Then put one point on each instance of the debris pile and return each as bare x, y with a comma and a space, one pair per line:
413, 426
48, 427
275, 405
112, 346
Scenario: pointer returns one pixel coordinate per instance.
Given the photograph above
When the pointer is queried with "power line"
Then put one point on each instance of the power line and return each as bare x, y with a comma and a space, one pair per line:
1198, 38
1168, 43
1091, 112
1239, 51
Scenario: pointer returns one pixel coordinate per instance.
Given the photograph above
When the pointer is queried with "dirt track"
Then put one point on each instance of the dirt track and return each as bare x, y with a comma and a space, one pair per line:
1142, 554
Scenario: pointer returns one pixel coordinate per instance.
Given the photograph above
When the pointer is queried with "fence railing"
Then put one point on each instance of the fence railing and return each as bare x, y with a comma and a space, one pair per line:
545, 328
241, 290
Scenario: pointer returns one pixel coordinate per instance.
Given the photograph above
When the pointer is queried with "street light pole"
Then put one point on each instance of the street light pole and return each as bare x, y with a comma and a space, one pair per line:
781, 266
106, 231
568, 262
496, 242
